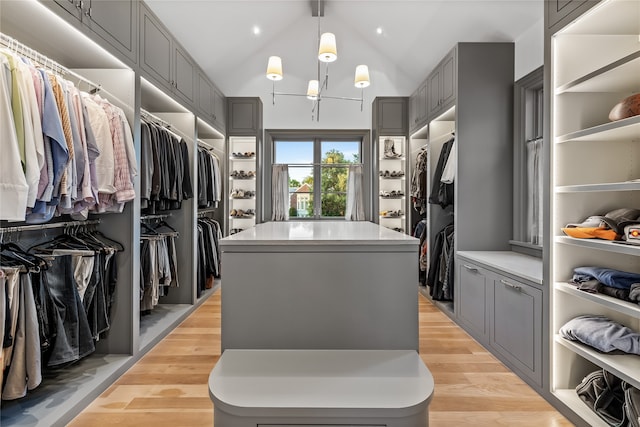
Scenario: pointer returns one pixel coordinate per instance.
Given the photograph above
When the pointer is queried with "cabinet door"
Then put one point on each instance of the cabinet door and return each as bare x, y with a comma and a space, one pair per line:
114, 21
155, 48
205, 96
418, 107
219, 109
472, 298
516, 325
243, 117
558, 9
183, 78
392, 116
434, 89
448, 80
71, 6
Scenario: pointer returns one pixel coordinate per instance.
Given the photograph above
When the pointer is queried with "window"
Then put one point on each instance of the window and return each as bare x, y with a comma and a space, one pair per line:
318, 172
528, 160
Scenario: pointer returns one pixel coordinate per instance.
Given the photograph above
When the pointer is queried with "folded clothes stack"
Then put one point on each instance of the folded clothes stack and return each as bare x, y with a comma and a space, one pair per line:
602, 333
610, 226
608, 281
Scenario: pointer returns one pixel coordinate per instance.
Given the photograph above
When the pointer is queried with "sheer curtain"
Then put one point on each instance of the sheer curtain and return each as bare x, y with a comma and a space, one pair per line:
355, 203
279, 193
534, 191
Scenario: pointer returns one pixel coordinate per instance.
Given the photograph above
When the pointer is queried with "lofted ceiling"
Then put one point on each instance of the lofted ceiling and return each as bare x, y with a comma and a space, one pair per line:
416, 34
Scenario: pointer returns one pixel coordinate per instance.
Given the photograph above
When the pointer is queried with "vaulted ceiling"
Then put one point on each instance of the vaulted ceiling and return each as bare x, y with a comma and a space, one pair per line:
415, 35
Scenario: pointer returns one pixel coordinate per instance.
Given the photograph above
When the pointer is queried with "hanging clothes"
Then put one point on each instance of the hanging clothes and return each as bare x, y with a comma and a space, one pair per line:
166, 176
208, 253
158, 264
441, 269
209, 179
67, 152
441, 192
55, 302
418, 190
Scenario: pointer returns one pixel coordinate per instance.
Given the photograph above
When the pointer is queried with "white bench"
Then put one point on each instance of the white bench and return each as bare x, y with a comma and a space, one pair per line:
255, 388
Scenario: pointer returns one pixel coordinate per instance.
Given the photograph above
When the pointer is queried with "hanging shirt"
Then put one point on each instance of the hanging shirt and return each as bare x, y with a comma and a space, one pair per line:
13, 184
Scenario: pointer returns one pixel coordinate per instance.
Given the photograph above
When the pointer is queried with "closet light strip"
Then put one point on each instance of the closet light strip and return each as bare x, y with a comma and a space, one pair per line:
45, 62
19, 228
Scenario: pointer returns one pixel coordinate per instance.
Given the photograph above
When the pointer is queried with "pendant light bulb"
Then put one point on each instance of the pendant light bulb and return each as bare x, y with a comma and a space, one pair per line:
362, 76
274, 68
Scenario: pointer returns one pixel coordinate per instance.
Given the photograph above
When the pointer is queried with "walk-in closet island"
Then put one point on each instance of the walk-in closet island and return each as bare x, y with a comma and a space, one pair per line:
320, 285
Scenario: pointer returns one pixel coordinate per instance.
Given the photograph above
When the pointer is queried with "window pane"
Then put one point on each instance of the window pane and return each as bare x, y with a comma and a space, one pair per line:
340, 152
301, 191
333, 205
294, 152
334, 179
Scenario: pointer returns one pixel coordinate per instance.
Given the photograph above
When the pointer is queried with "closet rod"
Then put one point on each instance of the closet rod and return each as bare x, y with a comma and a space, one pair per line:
49, 225
155, 216
443, 138
204, 212
165, 124
23, 50
209, 147
323, 164
537, 139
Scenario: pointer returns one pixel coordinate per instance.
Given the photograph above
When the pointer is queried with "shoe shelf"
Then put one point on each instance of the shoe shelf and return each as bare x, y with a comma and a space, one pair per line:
392, 181
242, 180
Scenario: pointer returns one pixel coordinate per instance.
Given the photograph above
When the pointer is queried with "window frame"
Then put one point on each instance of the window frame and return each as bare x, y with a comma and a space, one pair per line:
526, 89
271, 136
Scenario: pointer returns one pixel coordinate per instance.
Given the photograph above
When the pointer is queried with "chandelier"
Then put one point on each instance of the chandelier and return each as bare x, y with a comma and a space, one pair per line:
327, 53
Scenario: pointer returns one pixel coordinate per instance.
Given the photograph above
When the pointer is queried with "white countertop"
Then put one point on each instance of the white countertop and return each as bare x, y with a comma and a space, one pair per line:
319, 233
306, 379
525, 266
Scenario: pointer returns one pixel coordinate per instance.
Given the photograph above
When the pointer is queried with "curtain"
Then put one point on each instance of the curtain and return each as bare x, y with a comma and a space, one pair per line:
355, 203
534, 191
279, 193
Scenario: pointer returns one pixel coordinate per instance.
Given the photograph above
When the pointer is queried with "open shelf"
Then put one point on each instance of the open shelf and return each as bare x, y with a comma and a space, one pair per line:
619, 76
623, 366
619, 305
610, 186
570, 398
602, 245
621, 130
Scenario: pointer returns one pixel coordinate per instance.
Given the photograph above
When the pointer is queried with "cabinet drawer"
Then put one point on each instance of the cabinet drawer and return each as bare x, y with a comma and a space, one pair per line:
516, 325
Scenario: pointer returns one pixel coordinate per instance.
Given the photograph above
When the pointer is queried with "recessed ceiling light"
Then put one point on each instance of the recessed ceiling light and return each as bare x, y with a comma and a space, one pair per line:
379, 30
256, 30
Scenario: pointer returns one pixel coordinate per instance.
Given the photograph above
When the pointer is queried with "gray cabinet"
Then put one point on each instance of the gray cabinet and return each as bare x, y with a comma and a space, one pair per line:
390, 115
245, 116
516, 325
163, 59
219, 108
441, 85
115, 21
211, 103
503, 311
472, 297
418, 107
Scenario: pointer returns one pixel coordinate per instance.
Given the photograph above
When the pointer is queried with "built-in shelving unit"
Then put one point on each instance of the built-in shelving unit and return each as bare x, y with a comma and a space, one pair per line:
78, 46
595, 165
242, 169
392, 182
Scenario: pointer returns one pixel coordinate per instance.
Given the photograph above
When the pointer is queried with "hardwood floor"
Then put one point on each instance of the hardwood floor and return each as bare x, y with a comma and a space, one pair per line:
168, 387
